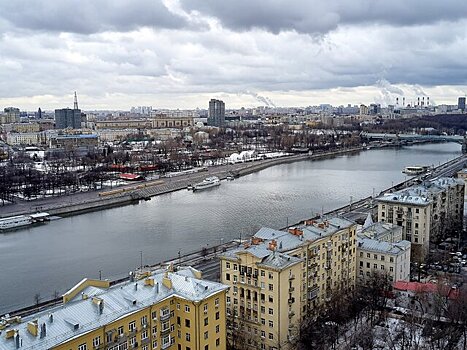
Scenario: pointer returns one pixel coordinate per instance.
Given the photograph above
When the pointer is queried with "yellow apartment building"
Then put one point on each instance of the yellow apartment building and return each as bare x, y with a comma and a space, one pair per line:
318, 258
163, 310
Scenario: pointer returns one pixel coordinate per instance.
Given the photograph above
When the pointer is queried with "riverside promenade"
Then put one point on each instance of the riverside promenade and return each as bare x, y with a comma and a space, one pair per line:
92, 200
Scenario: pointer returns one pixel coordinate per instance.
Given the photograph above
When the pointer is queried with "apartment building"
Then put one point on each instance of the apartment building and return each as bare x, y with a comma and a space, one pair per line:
323, 253
380, 231
425, 212
161, 121
163, 310
386, 258
123, 124
26, 138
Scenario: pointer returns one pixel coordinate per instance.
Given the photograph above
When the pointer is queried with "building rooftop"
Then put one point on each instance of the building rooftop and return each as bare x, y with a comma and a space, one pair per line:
90, 305
376, 246
422, 194
380, 230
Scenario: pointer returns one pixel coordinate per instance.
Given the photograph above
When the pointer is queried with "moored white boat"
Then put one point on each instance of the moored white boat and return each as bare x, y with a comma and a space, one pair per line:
15, 221
208, 182
415, 170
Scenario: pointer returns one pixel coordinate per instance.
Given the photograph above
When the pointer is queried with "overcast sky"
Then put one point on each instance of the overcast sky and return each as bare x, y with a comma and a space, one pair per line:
180, 53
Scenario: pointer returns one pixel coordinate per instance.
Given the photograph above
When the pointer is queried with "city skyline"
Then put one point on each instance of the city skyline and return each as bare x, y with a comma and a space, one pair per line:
181, 54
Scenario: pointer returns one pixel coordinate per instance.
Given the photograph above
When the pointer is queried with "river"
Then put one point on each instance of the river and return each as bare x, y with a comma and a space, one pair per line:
51, 258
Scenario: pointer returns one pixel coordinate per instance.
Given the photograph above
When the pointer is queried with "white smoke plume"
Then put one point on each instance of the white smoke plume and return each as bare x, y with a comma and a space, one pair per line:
266, 100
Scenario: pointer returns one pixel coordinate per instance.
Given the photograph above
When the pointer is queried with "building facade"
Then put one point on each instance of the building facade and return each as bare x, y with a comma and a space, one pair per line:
163, 121
426, 212
67, 118
26, 138
385, 258
71, 142
123, 124
216, 113
165, 310
313, 261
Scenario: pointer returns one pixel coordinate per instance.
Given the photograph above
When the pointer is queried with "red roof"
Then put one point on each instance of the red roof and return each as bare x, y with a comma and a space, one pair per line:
419, 287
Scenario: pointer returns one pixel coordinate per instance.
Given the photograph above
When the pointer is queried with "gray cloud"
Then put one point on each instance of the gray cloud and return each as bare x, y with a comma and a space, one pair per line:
318, 16
88, 16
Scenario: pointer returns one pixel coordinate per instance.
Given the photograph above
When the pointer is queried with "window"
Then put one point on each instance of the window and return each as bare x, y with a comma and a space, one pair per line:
144, 334
154, 344
263, 309
382, 267
187, 308
132, 326
262, 273
263, 321
271, 311
271, 287
205, 308
227, 265
218, 341
227, 276
206, 347
154, 315
217, 329
271, 336
132, 341
165, 326
270, 275
361, 263
178, 320
217, 315
166, 340
178, 306
391, 269
187, 336
206, 321
391, 259
187, 323
263, 334
144, 347
216, 302
96, 341
235, 267
382, 257
120, 330
271, 300
367, 255
154, 331
82, 347
271, 324
368, 265
206, 335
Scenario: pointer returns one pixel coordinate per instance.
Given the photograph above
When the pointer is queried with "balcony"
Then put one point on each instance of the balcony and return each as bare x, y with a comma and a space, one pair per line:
291, 289
165, 316
165, 330
291, 300
291, 314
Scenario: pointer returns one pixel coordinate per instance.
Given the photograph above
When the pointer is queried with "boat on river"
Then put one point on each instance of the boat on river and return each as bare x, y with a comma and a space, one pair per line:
415, 170
208, 182
13, 222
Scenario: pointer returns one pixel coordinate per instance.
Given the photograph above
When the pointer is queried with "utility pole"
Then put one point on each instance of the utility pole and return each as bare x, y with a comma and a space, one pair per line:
141, 259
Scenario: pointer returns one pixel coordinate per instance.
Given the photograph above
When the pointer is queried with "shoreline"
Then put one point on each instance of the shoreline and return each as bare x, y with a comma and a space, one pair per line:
72, 205
195, 257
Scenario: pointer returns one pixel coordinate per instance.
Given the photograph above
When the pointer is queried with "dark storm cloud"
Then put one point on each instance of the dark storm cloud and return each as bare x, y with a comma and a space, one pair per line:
322, 16
88, 16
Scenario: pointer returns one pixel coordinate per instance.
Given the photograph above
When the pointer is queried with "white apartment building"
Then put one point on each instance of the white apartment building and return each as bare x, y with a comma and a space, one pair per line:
391, 259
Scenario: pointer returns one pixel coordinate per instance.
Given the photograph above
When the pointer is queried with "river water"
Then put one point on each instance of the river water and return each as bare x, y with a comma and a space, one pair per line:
53, 257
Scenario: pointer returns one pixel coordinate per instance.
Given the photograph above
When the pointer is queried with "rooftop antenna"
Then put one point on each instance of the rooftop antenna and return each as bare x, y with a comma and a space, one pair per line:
75, 105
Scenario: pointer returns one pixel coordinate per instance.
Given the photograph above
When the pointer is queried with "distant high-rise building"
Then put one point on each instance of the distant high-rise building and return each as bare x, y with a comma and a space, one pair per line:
39, 113
68, 118
216, 115
12, 115
461, 103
